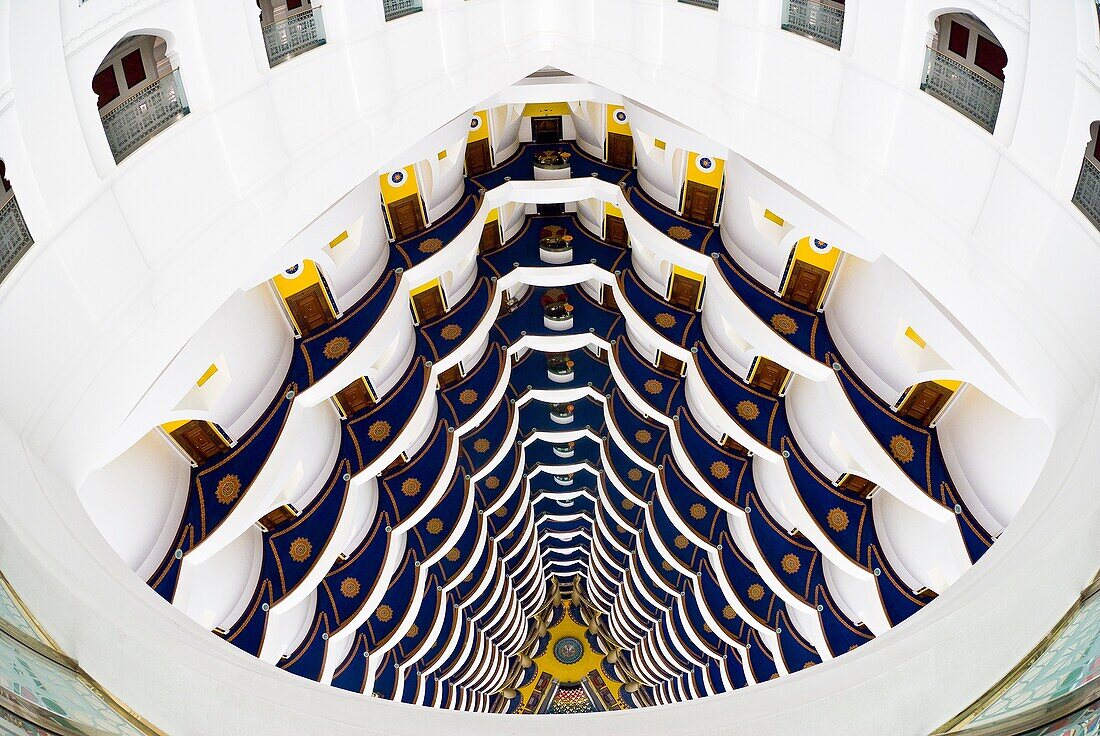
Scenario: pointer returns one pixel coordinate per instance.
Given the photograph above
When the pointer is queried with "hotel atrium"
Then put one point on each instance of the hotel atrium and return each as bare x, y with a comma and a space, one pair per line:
478, 367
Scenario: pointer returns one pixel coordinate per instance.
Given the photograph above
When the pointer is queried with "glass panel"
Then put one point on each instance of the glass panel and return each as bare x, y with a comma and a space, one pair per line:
293, 35
15, 239
11, 613
397, 8
1087, 194
34, 686
821, 22
1070, 662
142, 116
967, 90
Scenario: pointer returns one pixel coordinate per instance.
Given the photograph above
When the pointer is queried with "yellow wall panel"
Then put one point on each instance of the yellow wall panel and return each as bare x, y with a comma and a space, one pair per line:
546, 109
711, 177
393, 190
479, 131
614, 125
290, 284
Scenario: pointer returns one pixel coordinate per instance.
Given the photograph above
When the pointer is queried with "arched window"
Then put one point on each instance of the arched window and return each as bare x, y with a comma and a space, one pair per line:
15, 239
1087, 194
139, 91
821, 20
964, 67
290, 27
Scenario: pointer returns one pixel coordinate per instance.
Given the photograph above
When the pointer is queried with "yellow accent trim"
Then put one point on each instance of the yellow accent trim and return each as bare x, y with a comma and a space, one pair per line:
676, 270
207, 376
912, 335
610, 209
658, 143
442, 154
952, 385
546, 109
433, 284
494, 215
769, 215
338, 239
171, 427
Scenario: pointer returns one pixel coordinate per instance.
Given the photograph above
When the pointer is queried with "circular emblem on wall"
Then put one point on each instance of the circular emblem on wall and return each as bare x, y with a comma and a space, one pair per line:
620, 117
397, 178
820, 245
293, 269
705, 164
475, 122
568, 650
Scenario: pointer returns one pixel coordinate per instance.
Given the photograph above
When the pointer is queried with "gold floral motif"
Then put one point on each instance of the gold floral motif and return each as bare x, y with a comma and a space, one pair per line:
379, 430
634, 474
756, 591
349, 587
680, 541
300, 549
728, 613
720, 470
665, 566
643, 436
707, 629
228, 489
492, 482
627, 504
414, 630
434, 525
698, 511
784, 324
653, 386
747, 410
337, 347
410, 487
902, 449
384, 613
773, 676
468, 396
665, 320
469, 578
453, 555
451, 332
431, 245
679, 232
619, 529
838, 520
481, 445
790, 563
502, 512
808, 665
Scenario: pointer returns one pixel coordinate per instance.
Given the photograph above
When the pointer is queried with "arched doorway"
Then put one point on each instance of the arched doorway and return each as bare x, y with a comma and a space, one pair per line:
964, 67
139, 93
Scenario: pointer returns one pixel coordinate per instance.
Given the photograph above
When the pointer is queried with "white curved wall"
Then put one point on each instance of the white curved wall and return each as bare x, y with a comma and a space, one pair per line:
850, 135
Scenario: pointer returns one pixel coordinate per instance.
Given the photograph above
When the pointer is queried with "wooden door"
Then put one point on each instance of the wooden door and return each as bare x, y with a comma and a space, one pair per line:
769, 376
428, 304
616, 231
310, 310
854, 483
700, 202
490, 237
731, 444
620, 150
684, 291
406, 218
608, 298
355, 398
668, 363
450, 376
806, 284
200, 441
924, 402
546, 129
477, 157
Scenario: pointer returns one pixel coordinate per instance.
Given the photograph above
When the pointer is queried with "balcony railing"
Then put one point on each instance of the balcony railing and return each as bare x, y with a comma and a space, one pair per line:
1087, 194
15, 239
398, 8
967, 90
823, 23
712, 4
291, 36
137, 119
